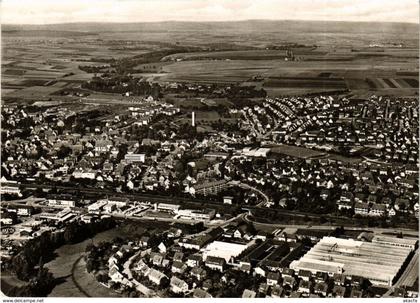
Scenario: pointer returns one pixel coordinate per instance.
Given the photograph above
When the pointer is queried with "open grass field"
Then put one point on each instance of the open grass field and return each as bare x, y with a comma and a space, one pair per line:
389, 83
295, 151
88, 285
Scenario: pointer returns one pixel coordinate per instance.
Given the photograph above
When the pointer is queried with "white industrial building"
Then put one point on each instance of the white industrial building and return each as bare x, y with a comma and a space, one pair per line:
193, 214
377, 261
61, 202
225, 250
97, 206
9, 187
61, 216
172, 208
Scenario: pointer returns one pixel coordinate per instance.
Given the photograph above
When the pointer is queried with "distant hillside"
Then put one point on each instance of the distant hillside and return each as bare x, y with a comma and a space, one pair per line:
264, 26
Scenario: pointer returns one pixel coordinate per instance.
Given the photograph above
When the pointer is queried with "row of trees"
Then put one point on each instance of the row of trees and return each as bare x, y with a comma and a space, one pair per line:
39, 285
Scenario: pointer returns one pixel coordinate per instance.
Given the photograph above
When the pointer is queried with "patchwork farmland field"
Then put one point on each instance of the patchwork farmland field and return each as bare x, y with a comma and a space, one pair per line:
390, 83
328, 83
227, 54
245, 54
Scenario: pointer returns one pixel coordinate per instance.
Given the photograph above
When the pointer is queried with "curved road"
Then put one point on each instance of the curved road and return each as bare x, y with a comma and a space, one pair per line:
247, 186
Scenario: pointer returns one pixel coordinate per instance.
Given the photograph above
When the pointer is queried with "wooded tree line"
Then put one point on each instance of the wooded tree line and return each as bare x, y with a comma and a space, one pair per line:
28, 263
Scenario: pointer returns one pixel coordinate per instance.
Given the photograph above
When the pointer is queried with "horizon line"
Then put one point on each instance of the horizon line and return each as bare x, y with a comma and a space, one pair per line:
209, 21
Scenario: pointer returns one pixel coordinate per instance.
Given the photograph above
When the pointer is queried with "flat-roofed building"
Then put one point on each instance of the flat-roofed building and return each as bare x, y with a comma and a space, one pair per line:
375, 261
227, 200
393, 241
97, 206
217, 155
215, 263
21, 210
200, 241
212, 187
61, 201
194, 214
61, 216
225, 250
9, 187
259, 152
135, 158
118, 201
173, 208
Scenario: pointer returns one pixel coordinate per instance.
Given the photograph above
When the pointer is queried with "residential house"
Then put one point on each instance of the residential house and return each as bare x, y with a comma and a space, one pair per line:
305, 286
338, 291
178, 256
277, 291
157, 259
288, 272
356, 293
201, 293
273, 278
377, 210
199, 273
178, 267
115, 275
144, 241
321, 289
249, 294
361, 208
156, 276
290, 281
339, 279
178, 286
321, 277
263, 289
215, 263
194, 260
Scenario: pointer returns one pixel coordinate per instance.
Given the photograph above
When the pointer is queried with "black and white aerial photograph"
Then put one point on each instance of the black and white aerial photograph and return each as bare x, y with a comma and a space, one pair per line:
209, 149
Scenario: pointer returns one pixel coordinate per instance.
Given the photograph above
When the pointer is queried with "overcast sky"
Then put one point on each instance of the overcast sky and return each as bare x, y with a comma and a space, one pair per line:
60, 11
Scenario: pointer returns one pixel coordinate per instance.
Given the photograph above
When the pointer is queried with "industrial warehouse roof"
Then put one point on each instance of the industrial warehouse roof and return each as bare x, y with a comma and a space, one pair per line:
375, 261
410, 242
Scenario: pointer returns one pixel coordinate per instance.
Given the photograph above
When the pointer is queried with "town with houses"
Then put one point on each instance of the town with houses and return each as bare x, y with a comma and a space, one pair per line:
209, 150
292, 197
